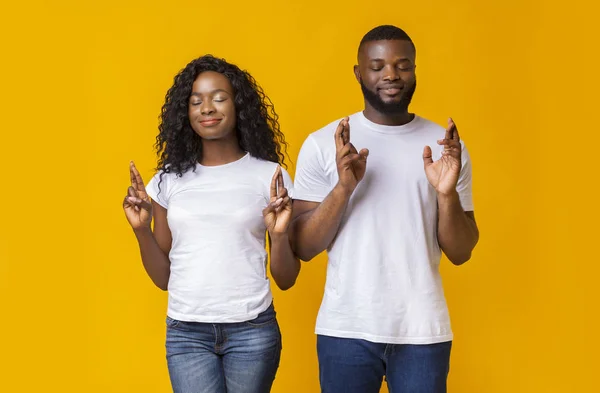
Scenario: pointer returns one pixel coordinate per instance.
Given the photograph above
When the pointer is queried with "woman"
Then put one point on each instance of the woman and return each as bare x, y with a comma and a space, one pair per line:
218, 189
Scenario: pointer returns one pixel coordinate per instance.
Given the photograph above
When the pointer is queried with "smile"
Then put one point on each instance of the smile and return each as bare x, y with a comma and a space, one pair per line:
392, 91
211, 122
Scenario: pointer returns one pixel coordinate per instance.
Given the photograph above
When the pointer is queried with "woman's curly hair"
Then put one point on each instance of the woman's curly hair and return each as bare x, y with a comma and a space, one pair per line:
257, 127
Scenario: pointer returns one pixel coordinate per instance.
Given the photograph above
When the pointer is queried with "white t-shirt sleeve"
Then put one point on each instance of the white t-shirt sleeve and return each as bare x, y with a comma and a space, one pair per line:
464, 186
159, 193
311, 183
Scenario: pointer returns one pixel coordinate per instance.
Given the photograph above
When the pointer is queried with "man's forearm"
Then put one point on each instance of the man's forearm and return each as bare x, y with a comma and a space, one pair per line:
457, 232
314, 230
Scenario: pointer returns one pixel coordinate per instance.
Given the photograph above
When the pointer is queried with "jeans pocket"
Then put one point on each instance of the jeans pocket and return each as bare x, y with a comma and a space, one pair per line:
172, 323
265, 318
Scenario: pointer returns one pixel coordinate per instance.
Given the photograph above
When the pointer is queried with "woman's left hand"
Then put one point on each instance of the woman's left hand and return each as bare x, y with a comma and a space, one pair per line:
278, 213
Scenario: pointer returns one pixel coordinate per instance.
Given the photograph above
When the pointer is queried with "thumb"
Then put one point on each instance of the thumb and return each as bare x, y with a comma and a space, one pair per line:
271, 207
142, 204
267, 210
427, 156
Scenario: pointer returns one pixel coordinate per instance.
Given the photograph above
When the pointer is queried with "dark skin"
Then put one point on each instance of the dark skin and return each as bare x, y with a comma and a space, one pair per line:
387, 69
212, 115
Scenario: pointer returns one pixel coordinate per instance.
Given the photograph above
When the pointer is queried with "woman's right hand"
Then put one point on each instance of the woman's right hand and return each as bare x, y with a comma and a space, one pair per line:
137, 205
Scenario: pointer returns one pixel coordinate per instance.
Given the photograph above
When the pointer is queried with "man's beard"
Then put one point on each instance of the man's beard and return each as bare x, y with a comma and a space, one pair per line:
388, 108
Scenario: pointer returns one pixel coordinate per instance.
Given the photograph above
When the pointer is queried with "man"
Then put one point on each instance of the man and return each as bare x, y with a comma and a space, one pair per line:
384, 213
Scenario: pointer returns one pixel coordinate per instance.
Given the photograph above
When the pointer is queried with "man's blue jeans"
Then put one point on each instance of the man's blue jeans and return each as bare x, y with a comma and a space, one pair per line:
359, 366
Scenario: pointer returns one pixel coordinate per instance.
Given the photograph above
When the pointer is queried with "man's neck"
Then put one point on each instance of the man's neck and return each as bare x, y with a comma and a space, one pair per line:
396, 119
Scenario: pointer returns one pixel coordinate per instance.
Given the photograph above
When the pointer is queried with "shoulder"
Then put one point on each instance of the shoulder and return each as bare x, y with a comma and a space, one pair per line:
263, 170
323, 137
169, 176
429, 127
261, 166
322, 140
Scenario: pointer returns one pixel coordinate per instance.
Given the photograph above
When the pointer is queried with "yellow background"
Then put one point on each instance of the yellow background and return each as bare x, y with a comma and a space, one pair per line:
82, 84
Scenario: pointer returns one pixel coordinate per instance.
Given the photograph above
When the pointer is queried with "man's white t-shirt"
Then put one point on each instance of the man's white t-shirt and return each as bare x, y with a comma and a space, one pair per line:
218, 257
383, 282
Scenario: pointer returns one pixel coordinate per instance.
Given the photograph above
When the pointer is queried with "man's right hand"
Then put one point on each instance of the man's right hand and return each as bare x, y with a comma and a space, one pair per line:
351, 164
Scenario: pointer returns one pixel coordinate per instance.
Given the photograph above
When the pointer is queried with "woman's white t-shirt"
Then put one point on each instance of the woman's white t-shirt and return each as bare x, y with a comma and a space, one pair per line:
218, 257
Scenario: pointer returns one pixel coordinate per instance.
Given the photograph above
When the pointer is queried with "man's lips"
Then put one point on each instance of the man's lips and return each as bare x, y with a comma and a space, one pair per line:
391, 90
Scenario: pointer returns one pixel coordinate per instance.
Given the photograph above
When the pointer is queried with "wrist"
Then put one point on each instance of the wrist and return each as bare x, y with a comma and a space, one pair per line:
448, 197
142, 231
278, 237
342, 191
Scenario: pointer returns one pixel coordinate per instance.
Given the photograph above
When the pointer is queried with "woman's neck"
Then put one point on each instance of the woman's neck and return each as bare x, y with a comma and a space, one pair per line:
220, 152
